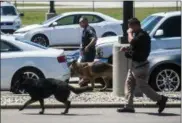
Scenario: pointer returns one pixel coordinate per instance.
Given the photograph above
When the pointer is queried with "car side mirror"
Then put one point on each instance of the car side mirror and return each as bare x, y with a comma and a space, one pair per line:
21, 14
54, 24
159, 33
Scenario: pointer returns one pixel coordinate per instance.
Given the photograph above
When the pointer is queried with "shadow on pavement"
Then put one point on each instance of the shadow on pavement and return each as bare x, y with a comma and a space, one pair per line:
162, 114
52, 114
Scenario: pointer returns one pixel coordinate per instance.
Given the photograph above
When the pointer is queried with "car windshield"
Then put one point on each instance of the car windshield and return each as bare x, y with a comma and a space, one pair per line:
33, 44
49, 20
7, 10
150, 22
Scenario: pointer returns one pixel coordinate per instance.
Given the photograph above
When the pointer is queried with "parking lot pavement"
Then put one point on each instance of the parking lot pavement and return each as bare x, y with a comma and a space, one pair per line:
94, 115
88, 99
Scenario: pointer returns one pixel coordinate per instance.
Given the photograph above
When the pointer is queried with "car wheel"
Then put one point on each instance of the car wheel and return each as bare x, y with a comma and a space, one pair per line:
166, 79
40, 39
107, 34
29, 73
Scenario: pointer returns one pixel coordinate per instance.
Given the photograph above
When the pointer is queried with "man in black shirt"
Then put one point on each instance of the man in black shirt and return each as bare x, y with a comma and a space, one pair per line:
138, 52
89, 39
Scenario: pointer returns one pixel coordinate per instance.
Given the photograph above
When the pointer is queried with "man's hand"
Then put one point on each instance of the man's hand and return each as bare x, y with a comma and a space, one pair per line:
130, 30
124, 49
86, 49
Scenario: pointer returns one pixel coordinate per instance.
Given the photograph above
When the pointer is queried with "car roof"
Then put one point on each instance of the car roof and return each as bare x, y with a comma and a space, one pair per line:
82, 12
166, 14
89, 12
6, 3
20, 44
7, 37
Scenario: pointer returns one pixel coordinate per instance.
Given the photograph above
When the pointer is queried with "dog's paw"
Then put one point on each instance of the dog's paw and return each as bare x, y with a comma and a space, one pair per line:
41, 112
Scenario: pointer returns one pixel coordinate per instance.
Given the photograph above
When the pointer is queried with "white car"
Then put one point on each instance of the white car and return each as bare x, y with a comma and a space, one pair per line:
32, 59
64, 29
10, 18
163, 28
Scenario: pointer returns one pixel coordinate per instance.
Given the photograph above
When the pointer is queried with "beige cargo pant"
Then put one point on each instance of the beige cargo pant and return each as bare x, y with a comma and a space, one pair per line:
138, 74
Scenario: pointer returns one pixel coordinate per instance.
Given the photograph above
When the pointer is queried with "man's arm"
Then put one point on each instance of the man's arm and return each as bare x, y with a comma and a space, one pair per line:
93, 42
130, 35
93, 39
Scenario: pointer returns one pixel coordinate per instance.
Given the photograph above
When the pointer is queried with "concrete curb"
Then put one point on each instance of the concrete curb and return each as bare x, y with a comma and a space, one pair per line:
92, 105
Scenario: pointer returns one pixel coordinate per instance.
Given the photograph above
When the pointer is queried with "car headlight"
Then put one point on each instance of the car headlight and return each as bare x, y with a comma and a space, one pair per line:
21, 32
99, 52
17, 23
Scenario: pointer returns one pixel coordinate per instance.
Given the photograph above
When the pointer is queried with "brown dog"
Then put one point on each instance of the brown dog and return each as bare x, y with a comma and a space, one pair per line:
91, 71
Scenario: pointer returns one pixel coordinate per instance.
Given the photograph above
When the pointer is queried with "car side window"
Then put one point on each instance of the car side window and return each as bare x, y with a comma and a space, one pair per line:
172, 27
93, 18
7, 47
69, 20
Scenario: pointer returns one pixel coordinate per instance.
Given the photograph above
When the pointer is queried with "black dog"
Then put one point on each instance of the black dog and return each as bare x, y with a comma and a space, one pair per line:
44, 88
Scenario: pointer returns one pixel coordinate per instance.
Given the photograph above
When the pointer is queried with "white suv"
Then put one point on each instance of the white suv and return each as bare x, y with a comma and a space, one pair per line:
10, 18
163, 28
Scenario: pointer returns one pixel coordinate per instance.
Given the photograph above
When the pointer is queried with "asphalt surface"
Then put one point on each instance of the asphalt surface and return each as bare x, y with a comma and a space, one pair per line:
91, 115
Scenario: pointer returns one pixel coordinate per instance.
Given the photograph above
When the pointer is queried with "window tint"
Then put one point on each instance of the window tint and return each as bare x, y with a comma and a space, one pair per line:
150, 22
7, 47
69, 20
172, 27
7, 10
93, 18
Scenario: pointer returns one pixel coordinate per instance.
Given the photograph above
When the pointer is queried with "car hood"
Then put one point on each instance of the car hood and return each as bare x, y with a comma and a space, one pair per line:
107, 40
28, 28
9, 18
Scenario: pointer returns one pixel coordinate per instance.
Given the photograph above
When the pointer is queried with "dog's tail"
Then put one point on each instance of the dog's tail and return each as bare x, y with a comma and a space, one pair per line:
79, 90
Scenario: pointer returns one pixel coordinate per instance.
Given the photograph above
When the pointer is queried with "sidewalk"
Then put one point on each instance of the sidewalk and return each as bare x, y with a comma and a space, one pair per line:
86, 100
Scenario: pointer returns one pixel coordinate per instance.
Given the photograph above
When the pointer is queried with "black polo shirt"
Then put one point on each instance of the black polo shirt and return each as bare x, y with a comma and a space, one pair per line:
140, 46
88, 34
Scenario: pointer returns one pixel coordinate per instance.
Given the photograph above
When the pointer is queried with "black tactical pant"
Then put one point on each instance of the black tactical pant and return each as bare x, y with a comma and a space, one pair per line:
88, 56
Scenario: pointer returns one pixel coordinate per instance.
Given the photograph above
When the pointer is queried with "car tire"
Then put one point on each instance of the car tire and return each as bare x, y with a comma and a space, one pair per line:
40, 39
30, 72
107, 34
166, 78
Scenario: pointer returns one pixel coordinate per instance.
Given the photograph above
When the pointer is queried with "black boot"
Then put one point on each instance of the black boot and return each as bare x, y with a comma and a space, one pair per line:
162, 104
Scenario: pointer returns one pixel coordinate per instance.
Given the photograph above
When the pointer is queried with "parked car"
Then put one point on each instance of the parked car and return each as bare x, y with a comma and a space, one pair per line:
165, 69
32, 59
64, 29
10, 17
163, 28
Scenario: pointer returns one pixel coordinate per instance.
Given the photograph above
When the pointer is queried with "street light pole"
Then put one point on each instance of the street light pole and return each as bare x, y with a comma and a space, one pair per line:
120, 62
127, 14
51, 8
52, 12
